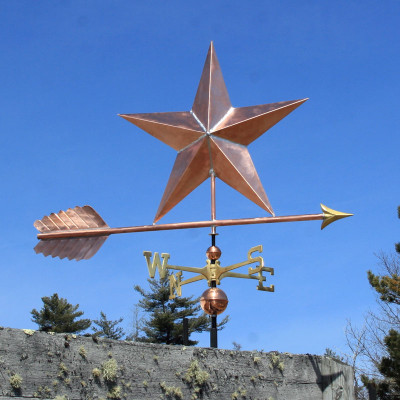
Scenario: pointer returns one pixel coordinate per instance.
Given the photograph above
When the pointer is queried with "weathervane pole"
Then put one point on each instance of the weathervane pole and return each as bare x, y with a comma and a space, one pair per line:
213, 283
211, 140
213, 207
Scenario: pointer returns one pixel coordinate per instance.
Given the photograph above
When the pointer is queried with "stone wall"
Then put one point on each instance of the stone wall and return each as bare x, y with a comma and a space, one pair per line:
59, 366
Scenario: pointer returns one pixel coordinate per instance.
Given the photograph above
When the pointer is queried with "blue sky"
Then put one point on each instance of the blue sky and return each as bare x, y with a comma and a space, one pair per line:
68, 68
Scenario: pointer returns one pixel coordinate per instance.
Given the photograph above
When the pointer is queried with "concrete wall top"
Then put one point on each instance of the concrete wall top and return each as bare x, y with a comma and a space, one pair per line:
38, 365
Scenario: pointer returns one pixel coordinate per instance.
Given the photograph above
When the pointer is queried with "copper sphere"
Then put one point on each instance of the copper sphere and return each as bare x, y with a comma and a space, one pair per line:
214, 301
213, 253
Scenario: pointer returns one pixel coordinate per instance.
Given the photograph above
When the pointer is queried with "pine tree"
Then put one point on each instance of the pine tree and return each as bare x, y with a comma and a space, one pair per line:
164, 324
390, 366
108, 328
388, 286
397, 245
57, 315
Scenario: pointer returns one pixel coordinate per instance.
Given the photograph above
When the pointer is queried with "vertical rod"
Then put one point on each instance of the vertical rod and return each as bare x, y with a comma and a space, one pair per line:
214, 331
371, 391
185, 331
213, 206
213, 212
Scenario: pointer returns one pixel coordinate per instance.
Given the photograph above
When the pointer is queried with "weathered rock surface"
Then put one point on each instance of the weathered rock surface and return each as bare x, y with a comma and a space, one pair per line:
67, 365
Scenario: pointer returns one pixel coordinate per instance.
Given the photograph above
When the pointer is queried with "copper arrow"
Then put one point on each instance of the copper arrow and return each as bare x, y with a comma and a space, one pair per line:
87, 231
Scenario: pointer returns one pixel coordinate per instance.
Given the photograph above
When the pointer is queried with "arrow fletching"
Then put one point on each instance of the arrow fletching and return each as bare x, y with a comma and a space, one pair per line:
80, 248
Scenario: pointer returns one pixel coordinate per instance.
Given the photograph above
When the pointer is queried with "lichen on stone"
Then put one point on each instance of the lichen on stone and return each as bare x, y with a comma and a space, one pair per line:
171, 391
256, 360
82, 352
96, 373
196, 377
277, 363
115, 393
109, 370
15, 381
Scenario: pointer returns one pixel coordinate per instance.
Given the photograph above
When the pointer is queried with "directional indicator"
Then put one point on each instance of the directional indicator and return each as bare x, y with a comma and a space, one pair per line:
331, 216
211, 140
212, 272
84, 224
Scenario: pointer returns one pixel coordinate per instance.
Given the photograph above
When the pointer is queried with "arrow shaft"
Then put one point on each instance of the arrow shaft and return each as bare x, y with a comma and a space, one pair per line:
179, 225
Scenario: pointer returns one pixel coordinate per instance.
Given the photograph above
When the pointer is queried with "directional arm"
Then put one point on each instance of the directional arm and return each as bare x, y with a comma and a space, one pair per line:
212, 272
51, 231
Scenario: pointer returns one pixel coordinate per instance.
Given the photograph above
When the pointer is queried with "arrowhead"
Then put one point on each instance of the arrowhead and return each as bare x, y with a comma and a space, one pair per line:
331, 216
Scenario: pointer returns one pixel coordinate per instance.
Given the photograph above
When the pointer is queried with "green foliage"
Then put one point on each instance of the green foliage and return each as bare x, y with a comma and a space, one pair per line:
171, 391
82, 352
108, 328
109, 370
256, 360
96, 373
276, 362
62, 370
15, 381
332, 354
43, 391
390, 367
388, 286
241, 392
196, 377
164, 324
397, 245
57, 315
115, 393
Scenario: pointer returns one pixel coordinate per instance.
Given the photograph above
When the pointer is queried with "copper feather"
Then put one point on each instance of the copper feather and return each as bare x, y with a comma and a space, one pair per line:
73, 219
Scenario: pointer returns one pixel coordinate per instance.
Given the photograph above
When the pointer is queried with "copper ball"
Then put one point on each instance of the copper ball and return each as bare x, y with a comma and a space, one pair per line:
214, 301
213, 253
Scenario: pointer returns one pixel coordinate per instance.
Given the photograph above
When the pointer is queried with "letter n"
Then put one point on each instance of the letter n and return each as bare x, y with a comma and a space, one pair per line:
175, 285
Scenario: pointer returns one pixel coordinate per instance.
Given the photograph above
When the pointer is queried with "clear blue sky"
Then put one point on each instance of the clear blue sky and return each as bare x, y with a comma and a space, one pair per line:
68, 68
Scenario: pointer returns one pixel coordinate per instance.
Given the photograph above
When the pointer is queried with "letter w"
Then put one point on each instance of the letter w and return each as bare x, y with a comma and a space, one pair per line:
162, 268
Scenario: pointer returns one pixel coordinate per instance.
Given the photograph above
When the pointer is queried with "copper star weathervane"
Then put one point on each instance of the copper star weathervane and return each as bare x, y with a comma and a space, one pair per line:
212, 138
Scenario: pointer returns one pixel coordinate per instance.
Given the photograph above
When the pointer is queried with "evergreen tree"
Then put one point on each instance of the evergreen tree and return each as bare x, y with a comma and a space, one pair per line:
108, 328
388, 287
397, 245
57, 315
164, 324
390, 366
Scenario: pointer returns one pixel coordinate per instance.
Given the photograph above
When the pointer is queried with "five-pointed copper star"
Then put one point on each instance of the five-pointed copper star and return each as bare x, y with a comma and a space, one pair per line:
212, 137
